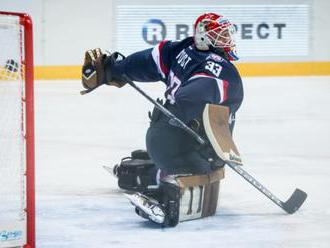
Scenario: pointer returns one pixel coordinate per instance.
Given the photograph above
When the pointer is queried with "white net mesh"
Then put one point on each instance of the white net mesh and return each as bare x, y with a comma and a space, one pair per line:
12, 154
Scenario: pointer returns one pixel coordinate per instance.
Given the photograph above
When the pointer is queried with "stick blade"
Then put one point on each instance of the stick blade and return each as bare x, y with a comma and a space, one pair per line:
295, 201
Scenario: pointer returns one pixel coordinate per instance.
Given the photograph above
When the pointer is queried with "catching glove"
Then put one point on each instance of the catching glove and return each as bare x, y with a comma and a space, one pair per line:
97, 70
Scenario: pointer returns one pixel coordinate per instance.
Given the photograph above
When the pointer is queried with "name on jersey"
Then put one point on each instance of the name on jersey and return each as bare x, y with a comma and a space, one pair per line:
183, 59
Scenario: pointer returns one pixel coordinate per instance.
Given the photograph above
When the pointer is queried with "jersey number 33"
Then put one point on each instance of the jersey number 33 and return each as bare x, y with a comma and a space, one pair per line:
213, 67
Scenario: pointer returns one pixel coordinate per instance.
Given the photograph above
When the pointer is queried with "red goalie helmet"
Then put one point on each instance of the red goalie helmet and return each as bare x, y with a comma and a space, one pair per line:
215, 32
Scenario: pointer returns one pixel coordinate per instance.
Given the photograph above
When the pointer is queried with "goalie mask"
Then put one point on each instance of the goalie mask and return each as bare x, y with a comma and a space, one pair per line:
215, 32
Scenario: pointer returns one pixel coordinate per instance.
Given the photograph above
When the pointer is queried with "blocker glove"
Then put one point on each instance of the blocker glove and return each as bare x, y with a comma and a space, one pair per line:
97, 70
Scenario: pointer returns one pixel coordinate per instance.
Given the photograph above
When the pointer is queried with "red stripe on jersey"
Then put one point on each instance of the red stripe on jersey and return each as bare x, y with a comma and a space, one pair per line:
222, 84
225, 87
203, 74
162, 65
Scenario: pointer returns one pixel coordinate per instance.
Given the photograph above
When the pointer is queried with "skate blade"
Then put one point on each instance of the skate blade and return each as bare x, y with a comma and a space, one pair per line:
147, 206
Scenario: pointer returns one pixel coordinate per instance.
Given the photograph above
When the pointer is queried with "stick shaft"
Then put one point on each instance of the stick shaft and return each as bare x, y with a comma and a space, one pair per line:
255, 183
173, 119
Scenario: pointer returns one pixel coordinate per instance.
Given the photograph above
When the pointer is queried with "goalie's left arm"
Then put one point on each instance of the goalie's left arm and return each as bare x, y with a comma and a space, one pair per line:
148, 65
97, 70
114, 69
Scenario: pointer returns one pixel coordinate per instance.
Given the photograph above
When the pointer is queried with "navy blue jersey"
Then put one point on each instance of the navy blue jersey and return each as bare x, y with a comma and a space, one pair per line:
192, 77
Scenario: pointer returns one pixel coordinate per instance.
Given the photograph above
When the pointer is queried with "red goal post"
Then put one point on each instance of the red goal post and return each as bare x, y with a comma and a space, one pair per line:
16, 78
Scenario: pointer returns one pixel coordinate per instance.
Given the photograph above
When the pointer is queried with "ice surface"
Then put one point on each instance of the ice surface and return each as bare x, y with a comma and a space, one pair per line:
282, 131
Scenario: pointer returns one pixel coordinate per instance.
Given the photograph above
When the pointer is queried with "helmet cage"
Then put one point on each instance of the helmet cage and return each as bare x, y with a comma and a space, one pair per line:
221, 37
215, 32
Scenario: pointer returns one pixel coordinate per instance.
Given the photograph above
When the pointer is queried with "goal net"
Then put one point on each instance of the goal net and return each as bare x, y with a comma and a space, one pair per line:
16, 136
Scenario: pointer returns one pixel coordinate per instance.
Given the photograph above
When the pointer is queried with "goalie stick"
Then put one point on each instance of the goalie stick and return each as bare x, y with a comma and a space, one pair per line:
290, 206
174, 121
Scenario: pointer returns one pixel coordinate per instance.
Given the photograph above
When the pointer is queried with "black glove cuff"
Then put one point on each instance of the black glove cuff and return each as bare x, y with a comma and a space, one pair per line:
108, 68
113, 69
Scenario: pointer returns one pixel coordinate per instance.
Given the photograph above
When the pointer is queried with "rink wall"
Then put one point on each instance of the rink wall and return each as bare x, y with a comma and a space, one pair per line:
246, 69
286, 38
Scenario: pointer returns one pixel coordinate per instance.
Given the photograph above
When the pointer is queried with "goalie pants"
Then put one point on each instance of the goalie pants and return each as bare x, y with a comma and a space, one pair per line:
172, 149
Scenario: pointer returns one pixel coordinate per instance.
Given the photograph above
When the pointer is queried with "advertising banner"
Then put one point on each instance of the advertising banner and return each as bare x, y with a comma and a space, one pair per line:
262, 30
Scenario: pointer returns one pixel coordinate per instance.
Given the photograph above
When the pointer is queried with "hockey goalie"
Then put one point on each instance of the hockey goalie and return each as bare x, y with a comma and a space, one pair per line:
177, 179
